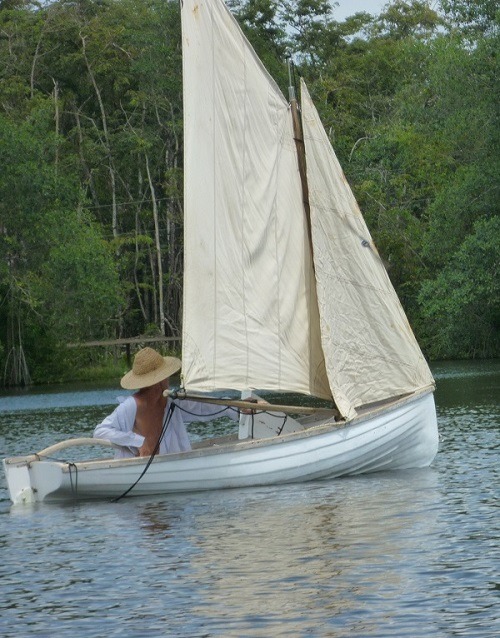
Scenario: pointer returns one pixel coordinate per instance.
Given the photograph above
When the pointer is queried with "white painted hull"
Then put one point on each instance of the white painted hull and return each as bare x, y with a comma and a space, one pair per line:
401, 437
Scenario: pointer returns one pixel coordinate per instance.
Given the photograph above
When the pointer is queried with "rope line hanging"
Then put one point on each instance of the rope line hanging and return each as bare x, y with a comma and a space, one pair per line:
166, 423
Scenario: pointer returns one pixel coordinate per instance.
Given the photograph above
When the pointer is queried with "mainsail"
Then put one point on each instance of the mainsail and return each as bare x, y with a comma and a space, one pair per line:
256, 313
250, 316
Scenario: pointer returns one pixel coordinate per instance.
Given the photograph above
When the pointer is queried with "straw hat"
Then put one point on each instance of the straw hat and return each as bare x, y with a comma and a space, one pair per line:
149, 368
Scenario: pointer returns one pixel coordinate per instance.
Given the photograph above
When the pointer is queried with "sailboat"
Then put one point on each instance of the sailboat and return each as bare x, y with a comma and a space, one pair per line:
284, 291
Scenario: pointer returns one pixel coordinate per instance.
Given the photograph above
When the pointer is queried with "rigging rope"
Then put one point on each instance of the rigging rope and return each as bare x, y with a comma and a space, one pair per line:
73, 467
168, 418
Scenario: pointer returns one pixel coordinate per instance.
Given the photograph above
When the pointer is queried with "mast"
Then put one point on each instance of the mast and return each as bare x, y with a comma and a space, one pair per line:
301, 152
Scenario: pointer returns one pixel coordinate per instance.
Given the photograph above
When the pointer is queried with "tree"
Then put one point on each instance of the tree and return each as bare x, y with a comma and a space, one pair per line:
49, 251
401, 19
474, 18
91, 155
462, 304
259, 20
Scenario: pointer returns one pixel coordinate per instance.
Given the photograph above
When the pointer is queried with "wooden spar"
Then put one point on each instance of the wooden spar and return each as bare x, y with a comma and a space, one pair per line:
57, 447
301, 154
249, 405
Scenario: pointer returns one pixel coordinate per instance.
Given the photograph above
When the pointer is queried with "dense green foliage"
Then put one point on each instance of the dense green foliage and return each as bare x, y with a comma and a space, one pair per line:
91, 162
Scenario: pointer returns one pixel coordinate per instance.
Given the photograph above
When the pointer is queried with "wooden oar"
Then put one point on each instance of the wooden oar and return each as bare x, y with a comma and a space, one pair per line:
248, 405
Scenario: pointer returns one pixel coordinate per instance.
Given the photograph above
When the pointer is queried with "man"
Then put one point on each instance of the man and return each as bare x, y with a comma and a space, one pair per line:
136, 424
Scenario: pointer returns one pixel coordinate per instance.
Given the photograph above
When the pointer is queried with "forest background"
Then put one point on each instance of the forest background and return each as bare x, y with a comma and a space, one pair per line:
91, 205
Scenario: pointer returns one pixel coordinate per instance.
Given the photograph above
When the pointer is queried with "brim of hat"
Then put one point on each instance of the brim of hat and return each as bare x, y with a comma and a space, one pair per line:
132, 381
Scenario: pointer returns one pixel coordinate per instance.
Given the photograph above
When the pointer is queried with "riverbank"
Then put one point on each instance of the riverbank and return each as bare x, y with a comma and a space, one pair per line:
82, 364
110, 368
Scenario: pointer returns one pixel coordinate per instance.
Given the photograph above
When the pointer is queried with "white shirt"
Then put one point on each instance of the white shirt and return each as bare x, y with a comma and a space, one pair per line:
118, 427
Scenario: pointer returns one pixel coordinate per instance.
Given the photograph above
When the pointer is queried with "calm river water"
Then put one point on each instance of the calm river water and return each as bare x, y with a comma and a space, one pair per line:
411, 553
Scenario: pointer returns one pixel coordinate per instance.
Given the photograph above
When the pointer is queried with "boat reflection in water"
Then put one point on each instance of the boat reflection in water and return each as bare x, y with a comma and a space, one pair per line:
279, 565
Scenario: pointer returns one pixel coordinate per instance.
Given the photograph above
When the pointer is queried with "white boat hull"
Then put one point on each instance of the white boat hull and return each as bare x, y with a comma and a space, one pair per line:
401, 437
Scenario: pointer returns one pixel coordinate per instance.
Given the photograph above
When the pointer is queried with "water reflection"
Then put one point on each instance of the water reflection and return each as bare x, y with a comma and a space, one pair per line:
400, 554
286, 564
469, 385
283, 562
154, 522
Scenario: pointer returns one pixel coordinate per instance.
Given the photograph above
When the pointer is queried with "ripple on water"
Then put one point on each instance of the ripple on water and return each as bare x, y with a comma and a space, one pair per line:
399, 554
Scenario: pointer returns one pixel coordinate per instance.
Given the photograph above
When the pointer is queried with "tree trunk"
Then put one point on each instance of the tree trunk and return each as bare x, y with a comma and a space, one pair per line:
158, 250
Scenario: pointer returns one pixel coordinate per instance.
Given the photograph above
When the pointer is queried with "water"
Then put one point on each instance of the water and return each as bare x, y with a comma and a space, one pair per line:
411, 553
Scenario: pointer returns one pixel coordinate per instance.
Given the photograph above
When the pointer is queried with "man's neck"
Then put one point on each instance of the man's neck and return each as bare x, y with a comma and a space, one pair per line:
153, 394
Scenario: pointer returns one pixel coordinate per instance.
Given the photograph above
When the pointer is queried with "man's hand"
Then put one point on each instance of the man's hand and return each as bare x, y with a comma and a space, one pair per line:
251, 400
147, 448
